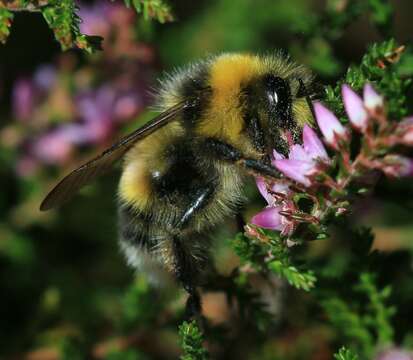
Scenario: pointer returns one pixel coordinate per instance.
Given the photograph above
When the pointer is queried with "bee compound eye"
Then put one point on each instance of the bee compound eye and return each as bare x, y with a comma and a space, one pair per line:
272, 97
277, 90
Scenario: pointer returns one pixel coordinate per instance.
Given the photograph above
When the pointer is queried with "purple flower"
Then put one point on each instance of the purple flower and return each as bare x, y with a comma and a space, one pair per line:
100, 110
45, 77
330, 126
23, 99
95, 19
355, 108
27, 93
102, 18
304, 160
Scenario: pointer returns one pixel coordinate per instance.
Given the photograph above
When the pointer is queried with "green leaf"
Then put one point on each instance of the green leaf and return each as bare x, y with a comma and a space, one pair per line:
151, 9
350, 324
380, 313
61, 17
300, 280
345, 354
6, 18
191, 340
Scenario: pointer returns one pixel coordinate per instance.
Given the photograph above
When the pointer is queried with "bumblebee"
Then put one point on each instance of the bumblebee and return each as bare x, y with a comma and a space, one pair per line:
183, 171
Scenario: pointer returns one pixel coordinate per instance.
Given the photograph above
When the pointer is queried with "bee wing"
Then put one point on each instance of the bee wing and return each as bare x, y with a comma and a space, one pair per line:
89, 171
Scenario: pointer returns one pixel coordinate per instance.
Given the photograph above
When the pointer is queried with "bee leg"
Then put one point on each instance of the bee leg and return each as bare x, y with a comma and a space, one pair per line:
227, 152
184, 271
240, 222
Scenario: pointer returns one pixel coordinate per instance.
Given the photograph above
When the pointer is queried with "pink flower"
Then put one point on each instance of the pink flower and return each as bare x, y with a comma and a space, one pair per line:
313, 145
355, 108
330, 126
53, 148
304, 160
372, 100
397, 166
404, 131
280, 187
394, 354
270, 217
26, 166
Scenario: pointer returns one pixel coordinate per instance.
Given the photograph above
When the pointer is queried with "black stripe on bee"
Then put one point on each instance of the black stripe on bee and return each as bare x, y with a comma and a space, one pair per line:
134, 227
196, 87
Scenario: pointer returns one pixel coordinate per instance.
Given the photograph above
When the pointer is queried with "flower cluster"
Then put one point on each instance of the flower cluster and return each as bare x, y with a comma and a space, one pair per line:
311, 173
66, 107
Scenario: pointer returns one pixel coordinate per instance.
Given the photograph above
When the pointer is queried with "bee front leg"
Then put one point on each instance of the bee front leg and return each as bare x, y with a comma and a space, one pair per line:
226, 152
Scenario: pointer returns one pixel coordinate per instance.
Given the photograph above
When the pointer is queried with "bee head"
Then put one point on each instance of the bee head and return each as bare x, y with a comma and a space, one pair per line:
281, 110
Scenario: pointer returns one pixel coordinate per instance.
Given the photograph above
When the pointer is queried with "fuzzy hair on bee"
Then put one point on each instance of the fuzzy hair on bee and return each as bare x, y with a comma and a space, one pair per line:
183, 172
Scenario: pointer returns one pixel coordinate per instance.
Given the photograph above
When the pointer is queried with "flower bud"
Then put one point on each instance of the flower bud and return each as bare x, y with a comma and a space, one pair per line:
372, 100
355, 109
405, 131
269, 218
397, 166
330, 126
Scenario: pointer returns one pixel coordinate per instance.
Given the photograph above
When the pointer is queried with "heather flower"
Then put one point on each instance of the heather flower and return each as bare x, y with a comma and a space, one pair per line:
93, 20
396, 165
26, 166
355, 108
89, 109
23, 99
100, 110
114, 22
404, 131
52, 148
45, 77
304, 160
372, 100
279, 187
394, 354
101, 17
270, 217
330, 126
313, 145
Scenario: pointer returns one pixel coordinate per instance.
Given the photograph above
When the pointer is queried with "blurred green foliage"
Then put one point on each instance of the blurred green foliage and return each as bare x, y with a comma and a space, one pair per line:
345, 354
